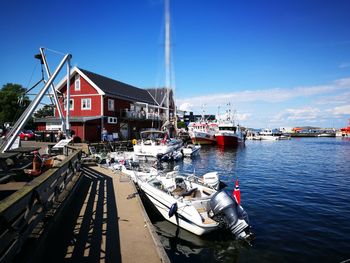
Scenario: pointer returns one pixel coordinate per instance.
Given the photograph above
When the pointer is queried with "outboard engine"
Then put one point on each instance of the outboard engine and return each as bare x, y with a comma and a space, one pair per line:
233, 215
212, 179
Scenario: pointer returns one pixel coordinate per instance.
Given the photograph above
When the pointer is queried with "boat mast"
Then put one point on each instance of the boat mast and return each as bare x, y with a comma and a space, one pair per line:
167, 57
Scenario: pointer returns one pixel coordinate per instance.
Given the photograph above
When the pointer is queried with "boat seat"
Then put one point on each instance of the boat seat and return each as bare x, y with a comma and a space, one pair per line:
201, 209
190, 192
204, 215
208, 220
177, 191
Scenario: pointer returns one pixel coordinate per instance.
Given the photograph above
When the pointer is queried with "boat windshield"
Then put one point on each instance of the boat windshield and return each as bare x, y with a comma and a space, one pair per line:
227, 128
152, 135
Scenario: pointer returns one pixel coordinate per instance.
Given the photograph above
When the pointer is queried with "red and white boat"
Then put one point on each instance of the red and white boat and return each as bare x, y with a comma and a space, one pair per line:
229, 134
202, 132
345, 132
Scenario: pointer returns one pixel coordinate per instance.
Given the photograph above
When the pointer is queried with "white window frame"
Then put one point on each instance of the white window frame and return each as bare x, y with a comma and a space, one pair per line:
71, 105
87, 102
112, 120
110, 104
77, 82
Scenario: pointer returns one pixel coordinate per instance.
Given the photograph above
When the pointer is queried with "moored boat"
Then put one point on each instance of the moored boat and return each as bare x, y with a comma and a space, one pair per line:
194, 205
229, 134
268, 134
155, 143
202, 132
191, 150
345, 132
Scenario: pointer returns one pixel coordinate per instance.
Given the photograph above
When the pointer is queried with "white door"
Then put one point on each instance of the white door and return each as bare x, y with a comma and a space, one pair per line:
124, 130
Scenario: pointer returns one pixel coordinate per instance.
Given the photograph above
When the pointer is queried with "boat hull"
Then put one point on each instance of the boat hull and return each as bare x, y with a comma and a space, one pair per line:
191, 151
228, 140
201, 137
187, 216
203, 141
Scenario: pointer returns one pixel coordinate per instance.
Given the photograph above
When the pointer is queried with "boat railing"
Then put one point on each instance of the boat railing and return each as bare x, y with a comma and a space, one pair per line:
141, 115
31, 207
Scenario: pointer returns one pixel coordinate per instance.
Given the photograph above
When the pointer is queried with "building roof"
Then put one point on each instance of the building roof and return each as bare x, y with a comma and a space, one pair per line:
119, 89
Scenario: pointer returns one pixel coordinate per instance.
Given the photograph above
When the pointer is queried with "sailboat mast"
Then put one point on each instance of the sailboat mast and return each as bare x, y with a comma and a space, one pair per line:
167, 57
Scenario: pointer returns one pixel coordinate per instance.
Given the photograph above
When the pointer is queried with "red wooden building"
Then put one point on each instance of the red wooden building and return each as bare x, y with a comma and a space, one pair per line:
97, 101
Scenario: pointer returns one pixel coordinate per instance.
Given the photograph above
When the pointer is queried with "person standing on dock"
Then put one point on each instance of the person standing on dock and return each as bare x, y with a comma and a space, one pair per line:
104, 134
59, 135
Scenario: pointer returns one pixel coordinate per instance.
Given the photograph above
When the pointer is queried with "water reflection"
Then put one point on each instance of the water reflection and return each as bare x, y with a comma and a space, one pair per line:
295, 192
183, 246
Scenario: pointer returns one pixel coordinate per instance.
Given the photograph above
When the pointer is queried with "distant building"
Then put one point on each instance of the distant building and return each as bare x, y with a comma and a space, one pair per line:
193, 117
98, 102
285, 129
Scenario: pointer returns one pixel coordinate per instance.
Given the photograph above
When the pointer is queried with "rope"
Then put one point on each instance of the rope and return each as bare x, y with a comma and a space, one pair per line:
55, 51
31, 76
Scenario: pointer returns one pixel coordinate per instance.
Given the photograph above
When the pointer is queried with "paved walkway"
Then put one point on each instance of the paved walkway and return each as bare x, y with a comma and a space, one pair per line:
105, 222
136, 241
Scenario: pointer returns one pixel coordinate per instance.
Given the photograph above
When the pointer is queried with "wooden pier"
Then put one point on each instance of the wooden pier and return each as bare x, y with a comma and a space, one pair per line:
77, 214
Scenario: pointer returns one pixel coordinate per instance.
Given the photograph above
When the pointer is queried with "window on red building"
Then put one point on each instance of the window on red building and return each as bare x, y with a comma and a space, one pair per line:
110, 105
77, 82
86, 104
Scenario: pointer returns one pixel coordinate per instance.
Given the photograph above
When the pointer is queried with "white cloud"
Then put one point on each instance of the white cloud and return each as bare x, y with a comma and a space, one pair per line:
343, 82
336, 99
310, 115
342, 110
317, 105
186, 107
297, 115
273, 95
242, 116
305, 113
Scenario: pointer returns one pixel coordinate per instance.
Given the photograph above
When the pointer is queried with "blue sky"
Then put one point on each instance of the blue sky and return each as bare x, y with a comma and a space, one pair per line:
278, 63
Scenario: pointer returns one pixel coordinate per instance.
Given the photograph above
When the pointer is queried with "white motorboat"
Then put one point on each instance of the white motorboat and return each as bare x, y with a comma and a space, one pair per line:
194, 205
268, 134
136, 173
191, 150
155, 143
176, 155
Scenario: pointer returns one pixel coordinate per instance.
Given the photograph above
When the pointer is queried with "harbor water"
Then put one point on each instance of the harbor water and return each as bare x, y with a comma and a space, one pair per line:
297, 195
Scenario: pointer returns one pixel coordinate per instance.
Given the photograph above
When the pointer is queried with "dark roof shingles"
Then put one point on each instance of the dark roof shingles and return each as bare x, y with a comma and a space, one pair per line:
119, 89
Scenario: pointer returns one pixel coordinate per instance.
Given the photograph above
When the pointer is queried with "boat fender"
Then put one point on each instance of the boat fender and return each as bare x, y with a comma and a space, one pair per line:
173, 210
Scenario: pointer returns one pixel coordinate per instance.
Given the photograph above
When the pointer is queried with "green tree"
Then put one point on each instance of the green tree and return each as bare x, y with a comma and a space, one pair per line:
45, 111
13, 102
181, 124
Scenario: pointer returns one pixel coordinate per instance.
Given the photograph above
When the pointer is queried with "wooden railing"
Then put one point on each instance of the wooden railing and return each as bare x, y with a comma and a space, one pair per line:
21, 212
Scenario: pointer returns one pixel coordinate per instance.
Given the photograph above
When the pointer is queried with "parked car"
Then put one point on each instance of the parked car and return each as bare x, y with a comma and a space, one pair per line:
27, 135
